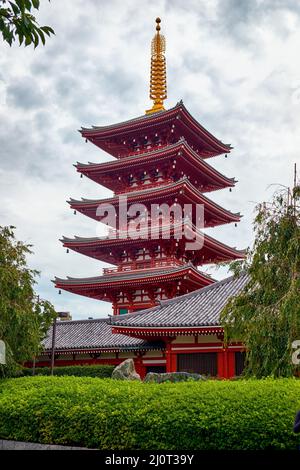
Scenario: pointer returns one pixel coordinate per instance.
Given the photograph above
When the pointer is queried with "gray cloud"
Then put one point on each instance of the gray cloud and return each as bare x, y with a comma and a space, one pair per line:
25, 94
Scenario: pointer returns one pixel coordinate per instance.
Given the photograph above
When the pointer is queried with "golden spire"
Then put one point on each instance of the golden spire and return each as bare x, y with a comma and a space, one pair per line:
158, 75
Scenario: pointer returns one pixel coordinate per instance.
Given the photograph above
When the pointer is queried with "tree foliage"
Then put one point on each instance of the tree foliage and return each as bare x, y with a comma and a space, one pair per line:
24, 317
266, 316
18, 22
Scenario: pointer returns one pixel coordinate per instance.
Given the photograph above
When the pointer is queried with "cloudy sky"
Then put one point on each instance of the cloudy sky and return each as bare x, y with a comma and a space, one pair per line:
235, 64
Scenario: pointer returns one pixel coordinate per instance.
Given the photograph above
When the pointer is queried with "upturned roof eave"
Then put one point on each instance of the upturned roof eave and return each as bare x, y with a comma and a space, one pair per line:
183, 183
152, 118
164, 152
136, 276
166, 329
80, 242
225, 147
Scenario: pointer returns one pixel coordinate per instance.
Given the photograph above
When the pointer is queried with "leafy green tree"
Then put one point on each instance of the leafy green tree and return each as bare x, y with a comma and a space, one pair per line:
266, 315
18, 22
24, 317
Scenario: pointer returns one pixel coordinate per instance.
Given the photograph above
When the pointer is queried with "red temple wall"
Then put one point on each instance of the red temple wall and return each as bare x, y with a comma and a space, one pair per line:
225, 362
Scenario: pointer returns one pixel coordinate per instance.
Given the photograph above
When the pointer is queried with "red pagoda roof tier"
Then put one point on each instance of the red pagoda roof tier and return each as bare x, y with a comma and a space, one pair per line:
104, 287
179, 156
109, 250
183, 190
151, 130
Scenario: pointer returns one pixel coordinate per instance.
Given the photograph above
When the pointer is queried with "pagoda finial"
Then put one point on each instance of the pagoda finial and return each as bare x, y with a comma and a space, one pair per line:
158, 75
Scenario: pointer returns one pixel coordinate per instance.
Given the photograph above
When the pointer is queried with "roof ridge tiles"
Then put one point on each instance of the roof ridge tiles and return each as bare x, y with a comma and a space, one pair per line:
85, 320
87, 334
183, 297
178, 313
215, 285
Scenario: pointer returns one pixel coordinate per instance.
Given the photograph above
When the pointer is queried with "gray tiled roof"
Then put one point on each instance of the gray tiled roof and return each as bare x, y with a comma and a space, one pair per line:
199, 308
93, 334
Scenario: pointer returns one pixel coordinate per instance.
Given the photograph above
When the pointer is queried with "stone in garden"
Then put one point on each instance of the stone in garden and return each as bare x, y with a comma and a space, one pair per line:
2, 352
125, 371
172, 377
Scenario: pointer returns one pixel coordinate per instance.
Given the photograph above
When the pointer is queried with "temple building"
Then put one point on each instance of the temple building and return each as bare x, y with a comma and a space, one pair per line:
165, 308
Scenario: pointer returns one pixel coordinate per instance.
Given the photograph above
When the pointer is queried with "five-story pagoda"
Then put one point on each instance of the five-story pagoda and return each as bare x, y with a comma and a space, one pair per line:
160, 167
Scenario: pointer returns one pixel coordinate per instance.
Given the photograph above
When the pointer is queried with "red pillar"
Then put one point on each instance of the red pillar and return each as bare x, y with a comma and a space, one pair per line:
231, 364
226, 371
220, 364
226, 364
171, 358
173, 362
139, 366
168, 357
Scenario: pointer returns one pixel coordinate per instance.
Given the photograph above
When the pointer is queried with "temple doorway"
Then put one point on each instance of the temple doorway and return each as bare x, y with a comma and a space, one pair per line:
200, 363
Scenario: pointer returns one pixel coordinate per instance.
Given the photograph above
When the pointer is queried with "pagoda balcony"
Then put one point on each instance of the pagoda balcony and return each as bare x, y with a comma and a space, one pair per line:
140, 265
148, 147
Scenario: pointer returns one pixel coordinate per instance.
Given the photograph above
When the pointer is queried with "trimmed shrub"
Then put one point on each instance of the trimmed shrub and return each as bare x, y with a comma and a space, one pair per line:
100, 371
110, 414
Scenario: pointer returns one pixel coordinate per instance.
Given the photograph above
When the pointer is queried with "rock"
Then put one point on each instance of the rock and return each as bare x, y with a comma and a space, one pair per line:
125, 371
172, 377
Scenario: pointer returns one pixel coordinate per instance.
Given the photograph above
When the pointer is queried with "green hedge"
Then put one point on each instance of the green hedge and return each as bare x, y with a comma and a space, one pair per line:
100, 371
110, 414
